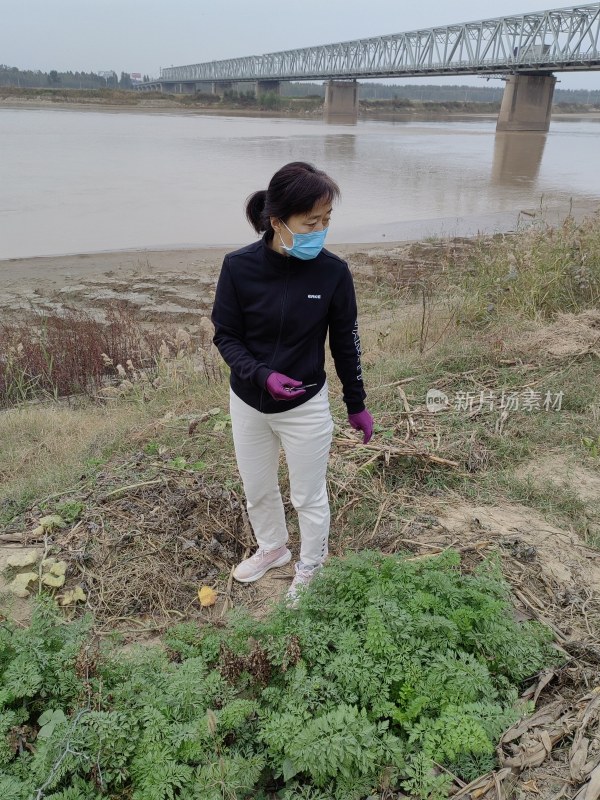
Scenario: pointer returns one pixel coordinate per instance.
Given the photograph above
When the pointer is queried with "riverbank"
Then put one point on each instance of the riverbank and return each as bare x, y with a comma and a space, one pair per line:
142, 505
488, 288
244, 105
171, 285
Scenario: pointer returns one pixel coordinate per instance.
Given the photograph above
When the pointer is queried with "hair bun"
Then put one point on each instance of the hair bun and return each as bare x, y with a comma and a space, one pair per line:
255, 206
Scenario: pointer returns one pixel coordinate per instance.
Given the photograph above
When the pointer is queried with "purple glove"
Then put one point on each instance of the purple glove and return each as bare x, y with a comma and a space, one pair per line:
362, 421
280, 387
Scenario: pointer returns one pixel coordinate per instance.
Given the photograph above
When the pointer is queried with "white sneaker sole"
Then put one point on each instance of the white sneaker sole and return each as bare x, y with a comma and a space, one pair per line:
284, 559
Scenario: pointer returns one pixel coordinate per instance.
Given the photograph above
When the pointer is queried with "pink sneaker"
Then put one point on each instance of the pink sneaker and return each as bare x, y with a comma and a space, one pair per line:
255, 567
303, 576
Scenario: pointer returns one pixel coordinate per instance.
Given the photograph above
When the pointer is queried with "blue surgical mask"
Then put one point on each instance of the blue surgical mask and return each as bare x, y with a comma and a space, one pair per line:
305, 245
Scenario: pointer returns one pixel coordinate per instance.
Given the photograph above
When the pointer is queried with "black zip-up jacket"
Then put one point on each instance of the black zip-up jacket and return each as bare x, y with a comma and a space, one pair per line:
272, 314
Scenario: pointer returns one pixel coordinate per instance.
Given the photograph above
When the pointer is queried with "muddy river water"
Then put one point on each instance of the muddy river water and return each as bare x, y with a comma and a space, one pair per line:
80, 181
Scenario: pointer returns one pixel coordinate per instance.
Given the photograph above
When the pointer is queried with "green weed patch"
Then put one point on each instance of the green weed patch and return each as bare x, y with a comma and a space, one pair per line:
388, 667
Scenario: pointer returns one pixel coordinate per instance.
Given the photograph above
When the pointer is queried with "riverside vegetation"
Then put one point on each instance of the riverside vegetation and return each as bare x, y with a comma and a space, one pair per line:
281, 104
405, 660
387, 669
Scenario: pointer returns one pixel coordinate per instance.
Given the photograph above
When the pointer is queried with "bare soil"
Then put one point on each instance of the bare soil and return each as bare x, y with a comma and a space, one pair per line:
176, 286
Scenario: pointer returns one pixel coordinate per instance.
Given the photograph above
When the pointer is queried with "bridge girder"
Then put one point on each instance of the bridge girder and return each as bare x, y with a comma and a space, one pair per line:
548, 41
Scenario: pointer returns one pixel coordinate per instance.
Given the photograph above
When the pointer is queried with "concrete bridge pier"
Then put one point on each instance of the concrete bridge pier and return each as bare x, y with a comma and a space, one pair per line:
341, 102
264, 87
527, 103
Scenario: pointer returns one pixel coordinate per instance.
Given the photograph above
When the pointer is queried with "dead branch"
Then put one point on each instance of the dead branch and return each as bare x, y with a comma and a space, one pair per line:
387, 451
117, 493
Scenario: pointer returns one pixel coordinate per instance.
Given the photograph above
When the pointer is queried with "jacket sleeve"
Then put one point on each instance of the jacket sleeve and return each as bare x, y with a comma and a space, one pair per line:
344, 343
228, 319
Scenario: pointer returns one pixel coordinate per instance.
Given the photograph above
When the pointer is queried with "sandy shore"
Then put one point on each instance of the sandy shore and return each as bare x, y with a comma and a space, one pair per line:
154, 104
157, 282
175, 284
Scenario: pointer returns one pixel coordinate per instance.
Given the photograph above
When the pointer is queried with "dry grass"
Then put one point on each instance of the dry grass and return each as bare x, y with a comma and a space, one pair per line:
141, 550
71, 353
46, 447
536, 274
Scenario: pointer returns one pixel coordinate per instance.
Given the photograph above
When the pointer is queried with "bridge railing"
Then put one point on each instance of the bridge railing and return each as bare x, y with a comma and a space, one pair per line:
557, 39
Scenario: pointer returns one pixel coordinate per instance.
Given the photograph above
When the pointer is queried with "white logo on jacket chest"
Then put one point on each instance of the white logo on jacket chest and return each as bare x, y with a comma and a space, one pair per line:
314, 296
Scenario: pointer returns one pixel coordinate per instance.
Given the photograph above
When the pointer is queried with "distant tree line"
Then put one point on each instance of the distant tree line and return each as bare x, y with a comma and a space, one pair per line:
36, 79
438, 94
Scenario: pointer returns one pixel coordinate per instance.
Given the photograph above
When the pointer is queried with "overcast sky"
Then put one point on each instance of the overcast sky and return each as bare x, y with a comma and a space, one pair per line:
145, 35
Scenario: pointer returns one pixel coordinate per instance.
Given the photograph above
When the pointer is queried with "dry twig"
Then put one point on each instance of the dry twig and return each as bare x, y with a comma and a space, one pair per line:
387, 451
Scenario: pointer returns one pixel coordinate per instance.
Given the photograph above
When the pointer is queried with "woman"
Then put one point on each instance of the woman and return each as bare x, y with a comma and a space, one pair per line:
276, 300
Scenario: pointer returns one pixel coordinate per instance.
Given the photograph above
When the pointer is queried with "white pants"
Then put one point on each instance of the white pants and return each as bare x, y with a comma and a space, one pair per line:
305, 433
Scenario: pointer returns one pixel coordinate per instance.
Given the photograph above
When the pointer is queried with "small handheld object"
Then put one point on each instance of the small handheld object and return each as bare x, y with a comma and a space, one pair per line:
302, 386
282, 387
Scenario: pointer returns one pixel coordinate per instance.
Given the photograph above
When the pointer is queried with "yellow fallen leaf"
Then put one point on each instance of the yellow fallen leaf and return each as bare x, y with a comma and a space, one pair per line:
56, 581
47, 563
73, 596
19, 590
26, 559
59, 568
19, 586
207, 596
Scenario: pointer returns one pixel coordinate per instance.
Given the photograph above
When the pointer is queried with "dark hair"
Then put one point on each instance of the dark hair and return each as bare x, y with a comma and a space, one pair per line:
294, 189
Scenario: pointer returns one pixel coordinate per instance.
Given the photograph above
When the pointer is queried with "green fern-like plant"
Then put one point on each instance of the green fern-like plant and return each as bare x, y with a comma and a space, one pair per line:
386, 668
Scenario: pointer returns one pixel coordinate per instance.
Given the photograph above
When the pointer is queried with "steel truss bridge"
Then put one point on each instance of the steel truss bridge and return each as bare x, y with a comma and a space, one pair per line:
546, 41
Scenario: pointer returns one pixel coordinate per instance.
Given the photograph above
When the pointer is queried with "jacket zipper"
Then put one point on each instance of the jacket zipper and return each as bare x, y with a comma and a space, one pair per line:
283, 299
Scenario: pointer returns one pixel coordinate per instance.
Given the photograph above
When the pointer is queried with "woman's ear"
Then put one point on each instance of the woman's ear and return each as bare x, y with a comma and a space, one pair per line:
275, 223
